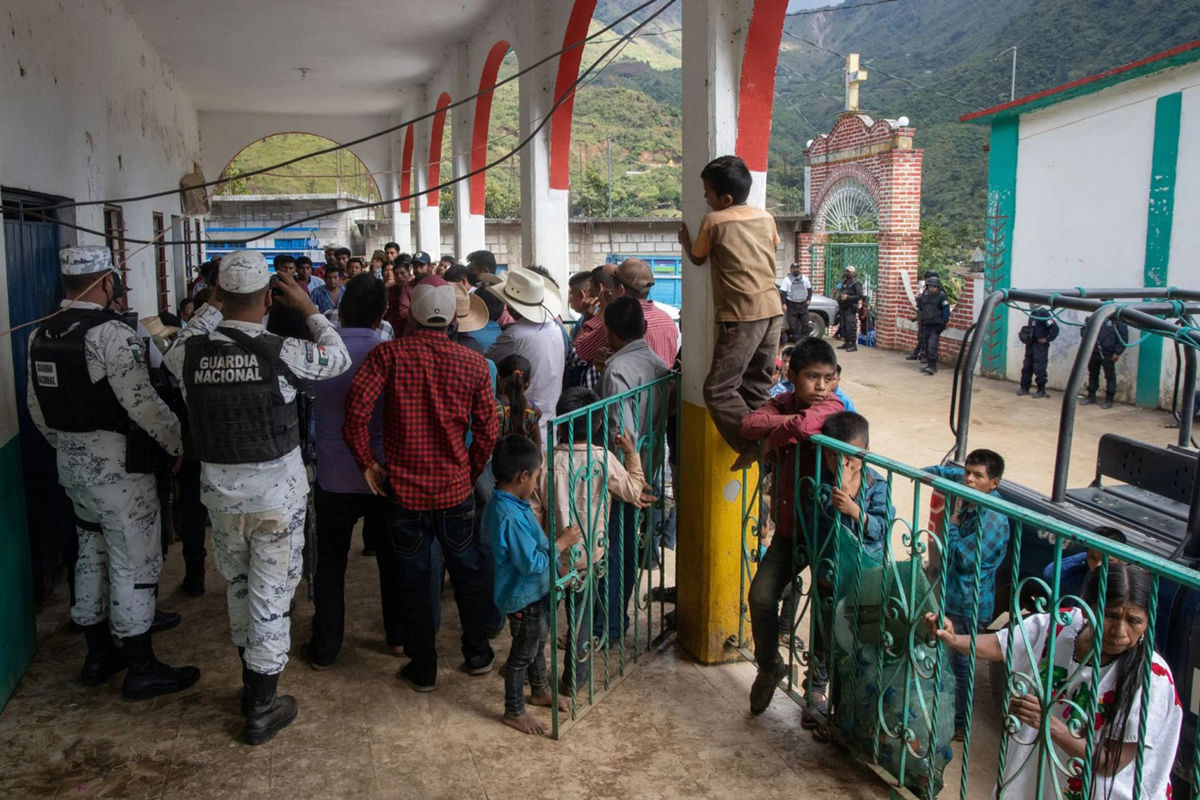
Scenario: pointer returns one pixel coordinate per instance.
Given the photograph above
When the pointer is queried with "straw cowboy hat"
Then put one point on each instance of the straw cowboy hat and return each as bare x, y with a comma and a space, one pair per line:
529, 295
471, 312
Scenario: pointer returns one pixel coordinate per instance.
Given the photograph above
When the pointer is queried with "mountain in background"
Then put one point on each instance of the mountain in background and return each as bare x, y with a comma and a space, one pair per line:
929, 60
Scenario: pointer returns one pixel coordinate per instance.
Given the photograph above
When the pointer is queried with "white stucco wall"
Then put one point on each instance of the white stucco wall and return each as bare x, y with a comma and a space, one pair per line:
1083, 181
90, 111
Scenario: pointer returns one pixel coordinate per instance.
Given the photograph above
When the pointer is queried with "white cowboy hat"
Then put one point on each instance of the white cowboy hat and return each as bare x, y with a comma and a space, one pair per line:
529, 294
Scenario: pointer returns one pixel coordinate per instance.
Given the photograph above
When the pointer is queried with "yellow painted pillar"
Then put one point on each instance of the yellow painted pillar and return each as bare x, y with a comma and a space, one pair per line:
708, 564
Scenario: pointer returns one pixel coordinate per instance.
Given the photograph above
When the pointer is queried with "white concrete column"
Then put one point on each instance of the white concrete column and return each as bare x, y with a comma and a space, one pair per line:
429, 233
710, 495
544, 211
713, 40
468, 227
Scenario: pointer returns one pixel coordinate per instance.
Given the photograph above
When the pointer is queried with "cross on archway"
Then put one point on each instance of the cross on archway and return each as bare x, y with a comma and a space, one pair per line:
854, 77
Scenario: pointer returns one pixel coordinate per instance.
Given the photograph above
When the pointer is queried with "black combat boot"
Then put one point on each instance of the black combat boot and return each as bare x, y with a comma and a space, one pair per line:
148, 677
164, 621
245, 682
269, 712
1088, 399
1108, 402
104, 659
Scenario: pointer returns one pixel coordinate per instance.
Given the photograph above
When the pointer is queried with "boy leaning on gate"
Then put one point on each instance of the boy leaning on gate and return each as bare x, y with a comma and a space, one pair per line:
784, 425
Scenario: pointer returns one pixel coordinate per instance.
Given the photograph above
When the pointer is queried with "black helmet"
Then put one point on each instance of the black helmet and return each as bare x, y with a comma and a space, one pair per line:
933, 280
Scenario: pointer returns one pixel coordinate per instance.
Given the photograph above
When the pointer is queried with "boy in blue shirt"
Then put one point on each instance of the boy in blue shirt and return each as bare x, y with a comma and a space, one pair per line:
522, 558
971, 534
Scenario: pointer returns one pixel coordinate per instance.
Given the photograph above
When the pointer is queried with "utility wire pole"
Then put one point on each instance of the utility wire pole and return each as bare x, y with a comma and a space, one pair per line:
1012, 87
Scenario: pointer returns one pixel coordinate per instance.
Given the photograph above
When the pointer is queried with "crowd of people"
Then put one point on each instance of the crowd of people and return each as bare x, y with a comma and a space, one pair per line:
430, 391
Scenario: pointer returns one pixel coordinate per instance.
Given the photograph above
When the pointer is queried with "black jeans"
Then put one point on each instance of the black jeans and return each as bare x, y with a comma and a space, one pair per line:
933, 335
337, 513
1097, 361
848, 325
1034, 368
411, 534
194, 517
527, 657
797, 320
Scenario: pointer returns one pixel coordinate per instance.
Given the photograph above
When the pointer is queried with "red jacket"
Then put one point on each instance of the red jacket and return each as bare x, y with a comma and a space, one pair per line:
785, 425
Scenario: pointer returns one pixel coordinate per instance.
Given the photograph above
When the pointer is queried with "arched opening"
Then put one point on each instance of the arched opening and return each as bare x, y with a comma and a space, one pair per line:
849, 219
246, 209
406, 171
496, 193
437, 147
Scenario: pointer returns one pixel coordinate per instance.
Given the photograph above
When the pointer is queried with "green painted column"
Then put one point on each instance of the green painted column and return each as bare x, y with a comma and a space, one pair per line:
1002, 213
1159, 215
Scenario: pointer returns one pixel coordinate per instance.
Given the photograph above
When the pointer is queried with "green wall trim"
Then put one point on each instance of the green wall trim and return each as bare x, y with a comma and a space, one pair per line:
17, 630
1001, 211
1160, 212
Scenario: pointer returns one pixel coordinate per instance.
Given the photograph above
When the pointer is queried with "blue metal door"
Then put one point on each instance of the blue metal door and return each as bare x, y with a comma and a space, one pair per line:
31, 252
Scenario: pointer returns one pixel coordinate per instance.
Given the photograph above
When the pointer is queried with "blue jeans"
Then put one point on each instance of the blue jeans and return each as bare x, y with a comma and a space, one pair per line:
411, 535
527, 656
485, 487
962, 673
622, 574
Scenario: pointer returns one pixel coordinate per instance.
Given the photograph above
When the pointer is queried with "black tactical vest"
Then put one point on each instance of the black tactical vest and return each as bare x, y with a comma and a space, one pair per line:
69, 400
235, 406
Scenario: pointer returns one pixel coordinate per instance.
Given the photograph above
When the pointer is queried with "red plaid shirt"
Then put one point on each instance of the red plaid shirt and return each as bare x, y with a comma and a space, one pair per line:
662, 335
436, 391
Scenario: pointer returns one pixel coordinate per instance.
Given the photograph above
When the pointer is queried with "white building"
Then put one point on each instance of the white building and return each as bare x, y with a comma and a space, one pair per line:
1096, 183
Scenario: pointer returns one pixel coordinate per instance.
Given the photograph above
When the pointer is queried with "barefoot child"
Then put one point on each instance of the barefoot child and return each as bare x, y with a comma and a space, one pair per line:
739, 242
522, 558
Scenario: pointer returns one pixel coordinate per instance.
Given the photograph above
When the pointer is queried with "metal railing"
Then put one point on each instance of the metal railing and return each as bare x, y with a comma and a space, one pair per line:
891, 684
603, 606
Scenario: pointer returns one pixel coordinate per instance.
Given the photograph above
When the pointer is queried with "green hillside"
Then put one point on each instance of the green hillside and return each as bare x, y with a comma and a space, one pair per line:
930, 60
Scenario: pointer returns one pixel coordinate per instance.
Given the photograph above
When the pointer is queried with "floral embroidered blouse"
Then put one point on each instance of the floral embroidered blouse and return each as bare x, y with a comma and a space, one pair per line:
1072, 693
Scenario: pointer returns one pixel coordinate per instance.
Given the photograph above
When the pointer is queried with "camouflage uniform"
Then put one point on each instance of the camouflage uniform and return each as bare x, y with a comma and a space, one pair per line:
257, 509
120, 550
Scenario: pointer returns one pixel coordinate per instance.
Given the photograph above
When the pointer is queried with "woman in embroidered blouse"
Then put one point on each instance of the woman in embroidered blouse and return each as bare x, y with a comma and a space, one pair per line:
1115, 717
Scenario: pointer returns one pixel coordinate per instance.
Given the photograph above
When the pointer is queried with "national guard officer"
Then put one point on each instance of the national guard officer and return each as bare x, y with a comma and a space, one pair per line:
240, 383
89, 390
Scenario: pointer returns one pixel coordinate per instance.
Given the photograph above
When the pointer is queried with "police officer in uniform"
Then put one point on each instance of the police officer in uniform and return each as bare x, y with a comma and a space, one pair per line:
797, 291
850, 295
933, 312
240, 383
88, 388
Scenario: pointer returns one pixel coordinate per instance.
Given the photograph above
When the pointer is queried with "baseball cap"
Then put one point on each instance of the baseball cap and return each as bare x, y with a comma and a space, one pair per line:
635, 274
434, 303
422, 257
86, 260
244, 271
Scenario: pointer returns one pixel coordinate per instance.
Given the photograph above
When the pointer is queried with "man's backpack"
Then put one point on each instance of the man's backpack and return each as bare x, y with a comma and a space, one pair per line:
1026, 333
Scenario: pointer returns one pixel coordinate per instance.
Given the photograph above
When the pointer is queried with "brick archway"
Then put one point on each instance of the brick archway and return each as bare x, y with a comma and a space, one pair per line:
879, 156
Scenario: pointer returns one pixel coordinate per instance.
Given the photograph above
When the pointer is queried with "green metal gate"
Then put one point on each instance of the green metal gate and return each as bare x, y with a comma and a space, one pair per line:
863, 256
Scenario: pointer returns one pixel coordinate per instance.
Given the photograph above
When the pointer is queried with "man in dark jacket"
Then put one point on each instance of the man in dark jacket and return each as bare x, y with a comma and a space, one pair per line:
1037, 335
849, 295
1109, 346
933, 312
